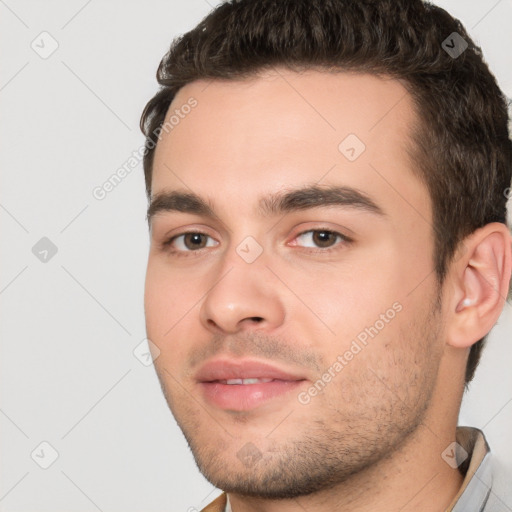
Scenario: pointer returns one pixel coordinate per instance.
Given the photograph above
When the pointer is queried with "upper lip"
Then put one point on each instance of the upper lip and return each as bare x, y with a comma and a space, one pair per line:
226, 369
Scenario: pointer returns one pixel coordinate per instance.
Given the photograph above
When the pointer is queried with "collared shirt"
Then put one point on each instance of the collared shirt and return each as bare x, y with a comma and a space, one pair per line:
474, 493
473, 496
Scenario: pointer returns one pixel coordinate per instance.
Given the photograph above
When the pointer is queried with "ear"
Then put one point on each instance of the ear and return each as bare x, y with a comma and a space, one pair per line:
480, 279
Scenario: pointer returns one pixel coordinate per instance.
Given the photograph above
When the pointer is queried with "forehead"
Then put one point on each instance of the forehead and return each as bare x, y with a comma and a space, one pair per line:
244, 138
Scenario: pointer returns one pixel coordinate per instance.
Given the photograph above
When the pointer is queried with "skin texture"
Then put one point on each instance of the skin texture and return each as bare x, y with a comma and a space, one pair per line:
375, 434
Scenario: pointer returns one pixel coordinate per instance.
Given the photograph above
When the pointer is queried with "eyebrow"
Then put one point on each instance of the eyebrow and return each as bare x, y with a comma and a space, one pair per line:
275, 204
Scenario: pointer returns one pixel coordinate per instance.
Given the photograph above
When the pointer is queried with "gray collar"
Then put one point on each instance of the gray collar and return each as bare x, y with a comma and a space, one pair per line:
475, 489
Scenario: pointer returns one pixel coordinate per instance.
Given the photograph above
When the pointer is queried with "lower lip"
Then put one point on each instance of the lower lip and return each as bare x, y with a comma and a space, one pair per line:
244, 397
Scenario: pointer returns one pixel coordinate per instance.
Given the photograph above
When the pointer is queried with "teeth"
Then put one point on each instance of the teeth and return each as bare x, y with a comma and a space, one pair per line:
245, 381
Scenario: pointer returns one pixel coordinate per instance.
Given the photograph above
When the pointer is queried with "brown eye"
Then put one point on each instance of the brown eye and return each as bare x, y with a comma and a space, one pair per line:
194, 241
190, 242
320, 238
324, 238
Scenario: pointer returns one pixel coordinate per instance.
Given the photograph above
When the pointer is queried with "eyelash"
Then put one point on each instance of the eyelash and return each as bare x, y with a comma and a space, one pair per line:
167, 244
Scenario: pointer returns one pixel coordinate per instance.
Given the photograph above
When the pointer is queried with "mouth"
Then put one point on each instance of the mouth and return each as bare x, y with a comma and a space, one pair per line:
244, 381
244, 385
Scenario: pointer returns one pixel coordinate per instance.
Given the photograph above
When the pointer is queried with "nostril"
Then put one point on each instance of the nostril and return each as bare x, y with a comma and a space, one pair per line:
256, 318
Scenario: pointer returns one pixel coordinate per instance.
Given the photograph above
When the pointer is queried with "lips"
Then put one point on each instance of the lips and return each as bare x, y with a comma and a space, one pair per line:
227, 369
244, 384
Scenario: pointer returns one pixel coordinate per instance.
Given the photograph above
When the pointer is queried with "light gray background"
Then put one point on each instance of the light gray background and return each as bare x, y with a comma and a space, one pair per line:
70, 325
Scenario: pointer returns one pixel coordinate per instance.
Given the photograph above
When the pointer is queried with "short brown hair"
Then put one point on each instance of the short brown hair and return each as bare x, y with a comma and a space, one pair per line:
462, 147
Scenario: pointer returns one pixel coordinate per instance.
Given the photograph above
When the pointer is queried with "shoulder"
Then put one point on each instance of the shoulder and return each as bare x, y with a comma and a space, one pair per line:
500, 496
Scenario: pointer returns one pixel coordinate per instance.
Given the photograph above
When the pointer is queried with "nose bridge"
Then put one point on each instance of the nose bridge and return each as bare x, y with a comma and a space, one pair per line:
243, 292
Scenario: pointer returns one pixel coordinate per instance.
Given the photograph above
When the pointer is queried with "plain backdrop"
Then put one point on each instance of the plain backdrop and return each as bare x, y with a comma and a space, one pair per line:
73, 375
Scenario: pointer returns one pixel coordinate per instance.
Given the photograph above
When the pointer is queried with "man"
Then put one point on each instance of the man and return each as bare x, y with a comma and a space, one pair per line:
329, 249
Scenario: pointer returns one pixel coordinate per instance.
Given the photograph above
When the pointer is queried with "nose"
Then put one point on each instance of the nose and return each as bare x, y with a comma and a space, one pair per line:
243, 296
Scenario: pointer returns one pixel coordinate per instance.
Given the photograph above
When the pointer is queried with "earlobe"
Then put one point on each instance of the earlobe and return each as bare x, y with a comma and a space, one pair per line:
482, 280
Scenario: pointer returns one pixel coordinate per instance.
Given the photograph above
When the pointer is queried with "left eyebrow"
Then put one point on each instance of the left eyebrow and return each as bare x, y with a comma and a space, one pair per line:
275, 204
317, 197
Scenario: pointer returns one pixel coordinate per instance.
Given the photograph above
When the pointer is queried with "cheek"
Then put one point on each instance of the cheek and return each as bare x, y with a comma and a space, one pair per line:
390, 375
351, 298
156, 302
167, 303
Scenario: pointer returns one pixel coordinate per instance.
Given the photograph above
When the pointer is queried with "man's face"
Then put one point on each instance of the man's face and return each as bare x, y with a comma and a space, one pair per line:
328, 300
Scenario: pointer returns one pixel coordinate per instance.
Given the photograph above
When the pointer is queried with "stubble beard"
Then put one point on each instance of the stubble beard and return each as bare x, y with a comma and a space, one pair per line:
337, 444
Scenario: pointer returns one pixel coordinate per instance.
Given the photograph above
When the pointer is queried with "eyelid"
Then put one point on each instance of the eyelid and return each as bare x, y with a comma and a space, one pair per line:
172, 234
166, 242
170, 239
345, 238
340, 242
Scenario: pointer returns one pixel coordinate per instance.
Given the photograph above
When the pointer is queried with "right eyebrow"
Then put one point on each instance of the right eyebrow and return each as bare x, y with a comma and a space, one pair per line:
185, 202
